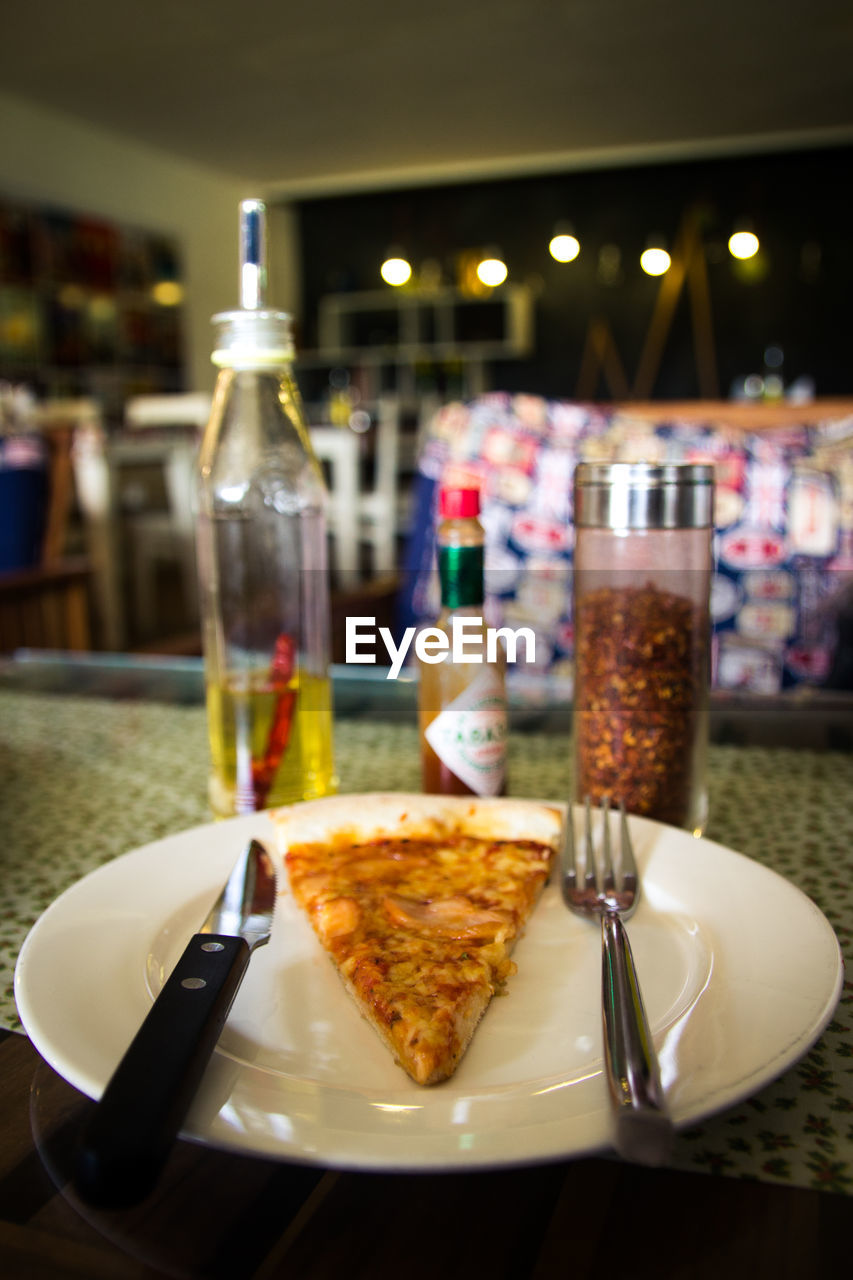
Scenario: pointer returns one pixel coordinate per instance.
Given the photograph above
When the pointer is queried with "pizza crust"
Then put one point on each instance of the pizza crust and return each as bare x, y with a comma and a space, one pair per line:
385, 814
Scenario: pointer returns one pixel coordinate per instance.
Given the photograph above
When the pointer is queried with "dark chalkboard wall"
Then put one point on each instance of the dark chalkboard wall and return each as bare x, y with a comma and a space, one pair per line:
796, 295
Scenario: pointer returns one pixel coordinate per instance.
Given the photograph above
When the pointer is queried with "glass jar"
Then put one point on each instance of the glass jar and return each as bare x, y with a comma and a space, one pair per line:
642, 582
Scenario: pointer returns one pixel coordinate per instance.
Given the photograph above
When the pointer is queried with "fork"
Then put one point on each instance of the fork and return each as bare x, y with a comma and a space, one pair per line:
644, 1131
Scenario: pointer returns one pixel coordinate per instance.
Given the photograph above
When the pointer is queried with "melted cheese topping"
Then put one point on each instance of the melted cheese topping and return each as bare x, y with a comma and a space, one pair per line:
421, 930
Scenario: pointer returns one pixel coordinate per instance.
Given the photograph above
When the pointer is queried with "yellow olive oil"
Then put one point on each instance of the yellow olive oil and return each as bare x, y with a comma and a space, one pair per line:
270, 744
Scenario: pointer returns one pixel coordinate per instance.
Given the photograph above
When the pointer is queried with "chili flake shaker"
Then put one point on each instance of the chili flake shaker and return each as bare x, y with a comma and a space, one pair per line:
641, 596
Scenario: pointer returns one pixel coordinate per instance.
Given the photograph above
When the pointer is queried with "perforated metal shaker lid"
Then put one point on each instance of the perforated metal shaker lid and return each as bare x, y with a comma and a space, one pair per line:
644, 495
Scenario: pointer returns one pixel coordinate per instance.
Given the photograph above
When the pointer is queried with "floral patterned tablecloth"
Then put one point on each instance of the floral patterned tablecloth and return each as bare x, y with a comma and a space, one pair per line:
83, 779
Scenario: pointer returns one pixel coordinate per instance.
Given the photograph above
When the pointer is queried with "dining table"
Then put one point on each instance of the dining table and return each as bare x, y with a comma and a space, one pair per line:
104, 754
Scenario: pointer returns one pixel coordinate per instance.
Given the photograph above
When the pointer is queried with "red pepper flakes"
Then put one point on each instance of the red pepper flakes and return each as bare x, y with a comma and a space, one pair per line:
640, 668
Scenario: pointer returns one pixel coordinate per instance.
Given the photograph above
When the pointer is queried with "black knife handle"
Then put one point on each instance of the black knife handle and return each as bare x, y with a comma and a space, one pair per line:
128, 1139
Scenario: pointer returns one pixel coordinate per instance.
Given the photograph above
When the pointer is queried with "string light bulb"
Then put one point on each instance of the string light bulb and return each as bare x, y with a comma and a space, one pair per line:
743, 243
492, 271
396, 270
654, 259
564, 245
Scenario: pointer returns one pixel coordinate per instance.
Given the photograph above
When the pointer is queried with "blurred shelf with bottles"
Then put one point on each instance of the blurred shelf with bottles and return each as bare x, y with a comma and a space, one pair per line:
416, 342
418, 347
88, 307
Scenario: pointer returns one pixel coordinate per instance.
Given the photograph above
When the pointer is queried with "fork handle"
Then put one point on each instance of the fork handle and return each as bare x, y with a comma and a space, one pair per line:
644, 1130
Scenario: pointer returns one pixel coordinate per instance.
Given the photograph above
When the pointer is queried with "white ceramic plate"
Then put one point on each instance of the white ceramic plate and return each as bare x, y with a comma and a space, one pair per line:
299, 1075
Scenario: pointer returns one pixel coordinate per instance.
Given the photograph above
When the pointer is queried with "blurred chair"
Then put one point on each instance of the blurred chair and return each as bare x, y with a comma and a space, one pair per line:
47, 605
377, 509
164, 431
337, 449
360, 516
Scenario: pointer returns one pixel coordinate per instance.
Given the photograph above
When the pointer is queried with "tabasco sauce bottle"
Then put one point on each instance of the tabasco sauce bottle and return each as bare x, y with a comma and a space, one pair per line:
462, 695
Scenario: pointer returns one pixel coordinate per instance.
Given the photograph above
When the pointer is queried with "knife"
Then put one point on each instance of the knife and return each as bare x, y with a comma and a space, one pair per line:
134, 1126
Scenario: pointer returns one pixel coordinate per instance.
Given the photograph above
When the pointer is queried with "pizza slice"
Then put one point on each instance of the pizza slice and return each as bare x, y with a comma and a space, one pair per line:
419, 900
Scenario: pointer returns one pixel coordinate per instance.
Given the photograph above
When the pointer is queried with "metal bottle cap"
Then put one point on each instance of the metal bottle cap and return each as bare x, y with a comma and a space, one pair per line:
644, 495
254, 337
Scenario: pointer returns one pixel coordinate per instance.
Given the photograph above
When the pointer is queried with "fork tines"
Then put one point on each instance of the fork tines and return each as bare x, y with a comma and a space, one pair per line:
600, 873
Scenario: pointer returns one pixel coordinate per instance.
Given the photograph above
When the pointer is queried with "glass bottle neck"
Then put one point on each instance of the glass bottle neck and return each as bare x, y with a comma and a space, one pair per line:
460, 571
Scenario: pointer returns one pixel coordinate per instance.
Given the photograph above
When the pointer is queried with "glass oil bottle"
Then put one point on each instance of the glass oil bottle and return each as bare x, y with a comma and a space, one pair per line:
262, 562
